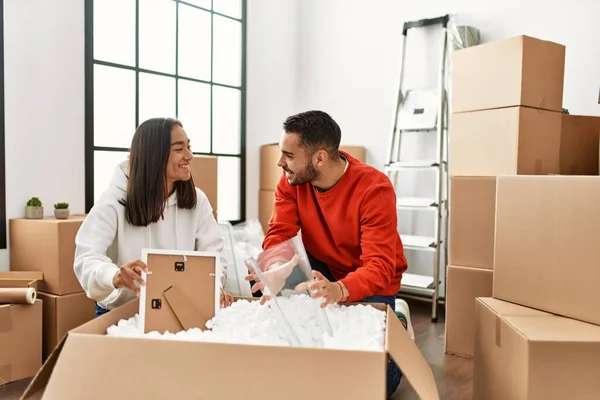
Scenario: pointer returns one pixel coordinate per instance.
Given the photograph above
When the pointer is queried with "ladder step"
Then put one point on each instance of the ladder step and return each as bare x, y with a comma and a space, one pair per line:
417, 281
415, 164
415, 203
415, 242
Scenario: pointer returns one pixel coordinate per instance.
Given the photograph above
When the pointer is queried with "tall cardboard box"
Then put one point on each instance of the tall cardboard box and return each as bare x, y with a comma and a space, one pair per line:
518, 352
266, 203
269, 157
46, 245
580, 138
204, 171
519, 71
546, 251
506, 141
472, 221
464, 285
20, 331
61, 314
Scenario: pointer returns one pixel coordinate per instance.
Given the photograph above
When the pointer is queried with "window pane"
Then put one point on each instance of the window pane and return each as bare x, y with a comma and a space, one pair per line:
157, 97
228, 194
194, 42
114, 31
226, 120
233, 8
227, 51
194, 113
105, 163
114, 106
200, 3
157, 35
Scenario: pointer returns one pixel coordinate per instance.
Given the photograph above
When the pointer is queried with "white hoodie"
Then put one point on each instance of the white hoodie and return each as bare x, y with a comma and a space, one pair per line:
106, 240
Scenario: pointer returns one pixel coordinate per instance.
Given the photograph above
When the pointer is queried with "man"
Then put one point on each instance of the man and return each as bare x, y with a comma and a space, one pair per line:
347, 213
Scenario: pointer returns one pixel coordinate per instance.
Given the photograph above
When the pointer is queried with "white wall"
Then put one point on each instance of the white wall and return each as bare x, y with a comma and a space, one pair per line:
44, 97
272, 63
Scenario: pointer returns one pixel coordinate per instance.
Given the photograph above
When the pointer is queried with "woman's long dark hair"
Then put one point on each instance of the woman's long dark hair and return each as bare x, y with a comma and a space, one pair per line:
147, 181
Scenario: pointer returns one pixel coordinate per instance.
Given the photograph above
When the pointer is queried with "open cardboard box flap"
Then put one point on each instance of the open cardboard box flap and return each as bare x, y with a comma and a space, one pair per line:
157, 369
20, 279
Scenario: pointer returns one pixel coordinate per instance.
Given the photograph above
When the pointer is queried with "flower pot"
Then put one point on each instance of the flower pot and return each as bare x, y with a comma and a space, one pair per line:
62, 213
32, 212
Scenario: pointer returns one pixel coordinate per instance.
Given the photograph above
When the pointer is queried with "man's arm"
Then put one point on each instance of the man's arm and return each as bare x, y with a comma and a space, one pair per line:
378, 230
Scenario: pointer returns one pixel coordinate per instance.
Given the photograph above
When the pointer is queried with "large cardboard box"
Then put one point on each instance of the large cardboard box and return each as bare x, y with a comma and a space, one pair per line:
20, 331
269, 157
61, 314
206, 370
546, 252
204, 171
578, 145
472, 221
506, 141
518, 352
519, 71
46, 245
464, 285
266, 203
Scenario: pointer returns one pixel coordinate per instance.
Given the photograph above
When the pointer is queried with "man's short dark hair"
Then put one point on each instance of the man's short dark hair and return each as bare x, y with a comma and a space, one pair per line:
316, 129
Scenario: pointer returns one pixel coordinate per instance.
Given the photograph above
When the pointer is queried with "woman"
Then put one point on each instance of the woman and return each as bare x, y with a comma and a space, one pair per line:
151, 203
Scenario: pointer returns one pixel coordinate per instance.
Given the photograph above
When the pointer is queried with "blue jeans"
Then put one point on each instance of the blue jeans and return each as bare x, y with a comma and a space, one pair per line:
100, 311
394, 375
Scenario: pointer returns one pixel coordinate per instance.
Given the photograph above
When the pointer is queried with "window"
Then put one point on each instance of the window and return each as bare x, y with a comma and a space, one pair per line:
149, 58
2, 149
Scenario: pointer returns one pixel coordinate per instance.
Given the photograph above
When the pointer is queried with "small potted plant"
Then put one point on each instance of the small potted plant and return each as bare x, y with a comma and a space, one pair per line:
61, 210
34, 209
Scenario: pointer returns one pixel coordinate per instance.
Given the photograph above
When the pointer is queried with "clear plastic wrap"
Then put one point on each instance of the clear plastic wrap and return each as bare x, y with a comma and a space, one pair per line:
284, 271
463, 36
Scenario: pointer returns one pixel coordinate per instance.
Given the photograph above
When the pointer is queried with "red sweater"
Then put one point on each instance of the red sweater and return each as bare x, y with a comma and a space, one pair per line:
352, 228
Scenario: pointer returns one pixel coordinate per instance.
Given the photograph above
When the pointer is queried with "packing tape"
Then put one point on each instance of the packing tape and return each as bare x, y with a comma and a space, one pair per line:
5, 374
17, 295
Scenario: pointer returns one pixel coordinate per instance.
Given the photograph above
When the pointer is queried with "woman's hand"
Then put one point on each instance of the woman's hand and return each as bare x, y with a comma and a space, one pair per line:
226, 299
129, 274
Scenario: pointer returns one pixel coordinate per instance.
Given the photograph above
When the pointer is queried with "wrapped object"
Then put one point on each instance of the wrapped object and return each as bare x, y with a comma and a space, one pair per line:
463, 36
284, 271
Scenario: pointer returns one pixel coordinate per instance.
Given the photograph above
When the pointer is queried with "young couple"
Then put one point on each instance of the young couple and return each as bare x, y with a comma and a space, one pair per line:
345, 208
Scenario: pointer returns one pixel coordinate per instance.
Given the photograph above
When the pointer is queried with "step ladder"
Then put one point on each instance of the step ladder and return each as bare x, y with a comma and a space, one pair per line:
423, 110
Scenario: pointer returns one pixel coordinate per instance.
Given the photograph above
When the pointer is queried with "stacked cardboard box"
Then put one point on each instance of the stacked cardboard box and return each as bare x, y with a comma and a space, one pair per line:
20, 330
543, 316
270, 174
204, 170
48, 246
523, 214
507, 120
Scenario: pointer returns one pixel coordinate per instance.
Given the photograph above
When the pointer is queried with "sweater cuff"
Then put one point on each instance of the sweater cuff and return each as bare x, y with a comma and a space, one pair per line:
106, 275
355, 289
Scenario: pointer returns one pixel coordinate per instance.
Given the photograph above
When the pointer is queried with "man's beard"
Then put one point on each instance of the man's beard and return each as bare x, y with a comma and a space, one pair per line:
306, 175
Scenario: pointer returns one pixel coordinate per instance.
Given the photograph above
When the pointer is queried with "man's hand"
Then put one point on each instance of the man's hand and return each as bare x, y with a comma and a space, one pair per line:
226, 299
129, 274
275, 277
331, 292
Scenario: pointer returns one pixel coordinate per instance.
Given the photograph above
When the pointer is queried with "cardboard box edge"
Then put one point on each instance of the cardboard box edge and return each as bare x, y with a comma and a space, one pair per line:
404, 351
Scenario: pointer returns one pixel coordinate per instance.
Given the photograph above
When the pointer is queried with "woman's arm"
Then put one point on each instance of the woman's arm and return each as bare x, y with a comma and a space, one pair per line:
93, 268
